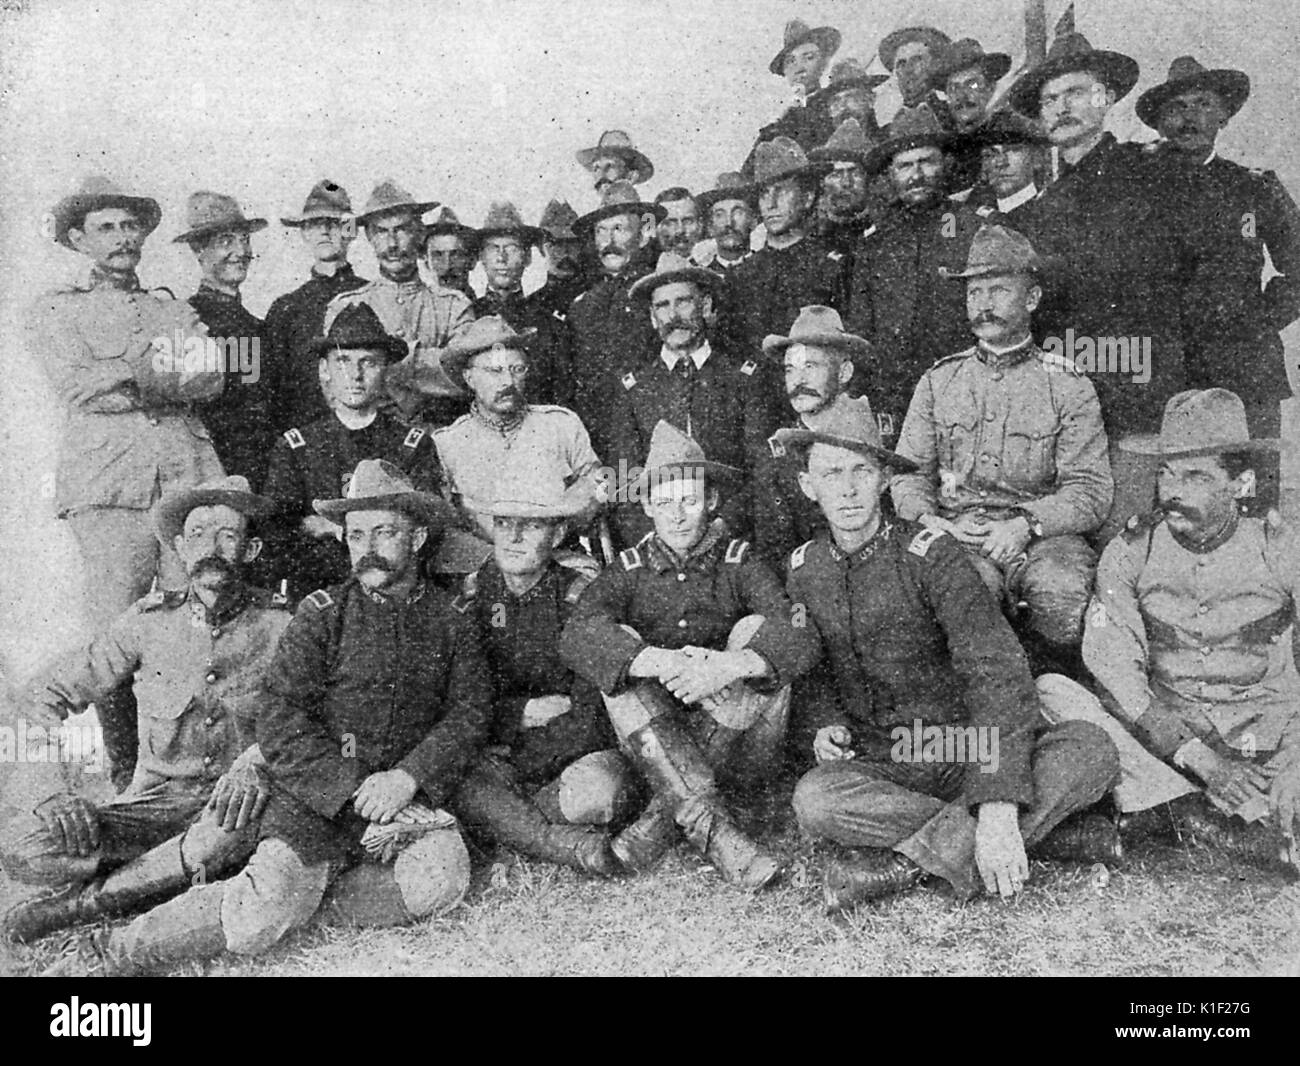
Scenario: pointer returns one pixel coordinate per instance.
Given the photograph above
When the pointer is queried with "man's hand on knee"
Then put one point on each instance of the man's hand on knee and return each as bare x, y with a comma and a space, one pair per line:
72, 820
240, 796
831, 744
383, 794
1000, 850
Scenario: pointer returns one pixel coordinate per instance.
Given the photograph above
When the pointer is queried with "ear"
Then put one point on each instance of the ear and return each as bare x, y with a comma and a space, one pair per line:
418, 536
714, 501
1033, 298
706, 304
846, 370
252, 549
77, 238
178, 542
558, 534
805, 485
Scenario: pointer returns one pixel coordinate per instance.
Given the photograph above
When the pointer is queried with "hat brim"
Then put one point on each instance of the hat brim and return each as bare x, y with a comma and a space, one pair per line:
246, 225
645, 170
454, 359
839, 155
174, 508
76, 207
827, 38
812, 169
644, 287
866, 81
1232, 86
1149, 444
927, 35
428, 510
718, 473
1116, 71
1036, 269
879, 157
558, 234
531, 235
393, 348
573, 503
994, 65
297, 221
844, 342
798, 438
706, 200
584, 225
420, 208
984, 138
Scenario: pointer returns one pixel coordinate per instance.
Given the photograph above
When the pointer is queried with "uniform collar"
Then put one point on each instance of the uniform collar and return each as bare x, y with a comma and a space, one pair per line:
1005, 357
343, 272
1217, 541
503, 424
383, 598
661, 557
102, 279
698, 357
414, 284
216, 295
229, 606
880, 537
1017, 198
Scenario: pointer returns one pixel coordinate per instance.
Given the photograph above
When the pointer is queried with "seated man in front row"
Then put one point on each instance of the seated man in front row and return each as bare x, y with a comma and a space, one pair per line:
199, 656
551, 779
376, 701
1191, 633
1010, 449
692, 641
933, 755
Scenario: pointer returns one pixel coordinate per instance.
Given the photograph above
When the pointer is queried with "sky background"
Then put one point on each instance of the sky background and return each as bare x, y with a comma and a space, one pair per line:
462, 102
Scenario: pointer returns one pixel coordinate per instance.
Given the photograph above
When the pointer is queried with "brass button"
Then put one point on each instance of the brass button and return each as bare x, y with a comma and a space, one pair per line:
216, 632
212, 676
681, 624
209, 721
681, 577
1202, 609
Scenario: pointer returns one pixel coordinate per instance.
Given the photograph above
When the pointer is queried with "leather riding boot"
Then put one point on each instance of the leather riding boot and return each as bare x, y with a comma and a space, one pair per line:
156, 873
118, 719
1082, 838
873, 873
487, 801
681, 776
1258, 843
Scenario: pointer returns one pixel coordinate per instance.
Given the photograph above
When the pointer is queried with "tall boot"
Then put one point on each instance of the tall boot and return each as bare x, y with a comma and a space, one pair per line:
680, 774
187, 928
487, 802
118, 721
157, 873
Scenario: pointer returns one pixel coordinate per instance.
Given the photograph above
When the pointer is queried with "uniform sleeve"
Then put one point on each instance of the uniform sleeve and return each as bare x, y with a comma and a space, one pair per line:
914, 494
1279, 227
1084, 487
999, 689
594, 643
90, 673
787, 639
302, 752
438, 762
860, 318
284, 482
99, 385
625, 451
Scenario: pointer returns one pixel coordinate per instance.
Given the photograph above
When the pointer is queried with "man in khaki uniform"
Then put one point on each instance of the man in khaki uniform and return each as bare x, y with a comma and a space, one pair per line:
1009, 446
114, 354
1190, 636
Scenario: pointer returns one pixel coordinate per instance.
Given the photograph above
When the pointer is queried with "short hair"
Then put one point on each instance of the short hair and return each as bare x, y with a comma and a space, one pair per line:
673, 194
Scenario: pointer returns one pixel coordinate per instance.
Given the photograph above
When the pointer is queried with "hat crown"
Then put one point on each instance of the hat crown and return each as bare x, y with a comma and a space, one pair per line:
619, 192
357, 326
816, 320
776, 158
1200, 419
848, 137
614, 139
98, 185
387, 195
519, 490
205, 209
327, 198
1009, 124
914, 122
795, 30
848, 69
487, 332
503, 215
1184, 67
1000, 250
1068, 45
558, 216
669, 446
672, 262
850, 418
376, 477
225, 483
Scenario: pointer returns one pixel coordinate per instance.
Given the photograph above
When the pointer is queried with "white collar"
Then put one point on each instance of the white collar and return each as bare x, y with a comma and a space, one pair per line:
697, 357
1017, 198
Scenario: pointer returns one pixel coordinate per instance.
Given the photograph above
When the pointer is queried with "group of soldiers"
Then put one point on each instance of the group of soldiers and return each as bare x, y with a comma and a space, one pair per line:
583, 571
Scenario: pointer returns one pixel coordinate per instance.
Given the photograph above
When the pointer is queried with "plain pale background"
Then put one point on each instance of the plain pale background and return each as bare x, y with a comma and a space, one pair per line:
462, 102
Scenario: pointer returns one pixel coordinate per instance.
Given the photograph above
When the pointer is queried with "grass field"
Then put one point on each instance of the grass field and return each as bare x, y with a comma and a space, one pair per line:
1170, 911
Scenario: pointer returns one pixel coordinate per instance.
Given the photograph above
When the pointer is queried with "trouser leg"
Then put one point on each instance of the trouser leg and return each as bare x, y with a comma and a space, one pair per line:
1054, 581
429, 876
599, 788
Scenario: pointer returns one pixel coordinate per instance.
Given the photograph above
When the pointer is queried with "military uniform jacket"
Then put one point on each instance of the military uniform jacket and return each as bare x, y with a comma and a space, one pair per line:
1001, 431
292, 323
1230, 214
898, 300
1115, 233
198, 679
238, 419
911, 633
363, 683
784, 517
131, 431
672, 602
1194, 642
558, 294
521, 638
550, 357
726, 405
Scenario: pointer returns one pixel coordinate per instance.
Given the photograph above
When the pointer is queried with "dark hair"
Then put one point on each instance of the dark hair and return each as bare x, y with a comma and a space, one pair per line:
673, 194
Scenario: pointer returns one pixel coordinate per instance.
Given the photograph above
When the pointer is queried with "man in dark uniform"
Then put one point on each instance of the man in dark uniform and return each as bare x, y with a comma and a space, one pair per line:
850, 93
505, 250
805, 53
550, 782
376, 701
1232, 214
316, 460
897, 300
729, 219
916, 647
198, 656
967, 76
449, 251
679, 230
294, 319
694, 381
692, 641
794, 268
910, 55
845, 208
1012, 158
562, 250
239, 420
609, 330
818, 361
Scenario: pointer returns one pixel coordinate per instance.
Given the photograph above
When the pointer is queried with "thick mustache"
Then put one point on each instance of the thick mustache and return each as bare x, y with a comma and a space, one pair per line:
372, 561
804, 390
991, 318
613, 249
214, 564
1192, 513
510, 392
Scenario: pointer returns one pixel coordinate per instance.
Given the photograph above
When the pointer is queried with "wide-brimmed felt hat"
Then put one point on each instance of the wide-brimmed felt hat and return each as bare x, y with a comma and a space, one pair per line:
376, 485
1071, 52
965, 53
912, 127
847, 73
672, 455
482, 335
782, 158
847, 423
230, 491
557, 221
520, 493
1200, 422
357, 328
935, 40
208, 212
618, 198
820, 327
447, 221
673, 267
95, 193
389, 196
996, 251
327, 199
1187, 75
617, 143
848, 144
504, 220
731, 185
1004, 127
797, 32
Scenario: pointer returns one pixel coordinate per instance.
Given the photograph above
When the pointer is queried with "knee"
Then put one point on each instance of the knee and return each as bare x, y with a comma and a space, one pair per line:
597, 789
1057, 589
814, 803
274, 893
1093, 754
744, 631
432, 874
31, 855
208, 847
1065, 700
